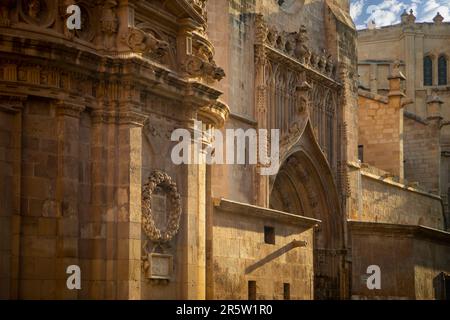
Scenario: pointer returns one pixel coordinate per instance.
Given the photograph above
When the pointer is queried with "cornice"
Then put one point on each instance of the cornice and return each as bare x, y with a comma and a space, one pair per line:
251, 210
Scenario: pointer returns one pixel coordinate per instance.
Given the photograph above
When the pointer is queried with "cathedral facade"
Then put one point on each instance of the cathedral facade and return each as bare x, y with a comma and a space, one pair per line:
89, 183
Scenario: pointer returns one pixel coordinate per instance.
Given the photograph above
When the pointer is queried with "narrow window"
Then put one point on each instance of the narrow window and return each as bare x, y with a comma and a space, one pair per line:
427, 71
252, 290
269, 235
442, 71
287, 291
447, 288
361, 153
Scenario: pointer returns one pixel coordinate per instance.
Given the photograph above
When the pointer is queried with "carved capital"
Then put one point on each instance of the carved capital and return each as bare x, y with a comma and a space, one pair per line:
132, 117
12, 104
69, 109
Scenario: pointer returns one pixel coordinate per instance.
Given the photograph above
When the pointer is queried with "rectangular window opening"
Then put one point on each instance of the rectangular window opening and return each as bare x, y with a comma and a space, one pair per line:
361, 153
287, 291
252, 290
269, 235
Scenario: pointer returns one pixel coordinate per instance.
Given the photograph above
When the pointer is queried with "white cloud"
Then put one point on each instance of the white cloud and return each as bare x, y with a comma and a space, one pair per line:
430, 8
386, 13
356, 8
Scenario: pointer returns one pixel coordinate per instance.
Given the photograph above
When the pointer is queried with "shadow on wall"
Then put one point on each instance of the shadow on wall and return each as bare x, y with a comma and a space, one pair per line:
294, 244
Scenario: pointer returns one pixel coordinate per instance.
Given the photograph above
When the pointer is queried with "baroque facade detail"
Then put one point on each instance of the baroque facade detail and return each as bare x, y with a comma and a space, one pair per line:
88, 177
159, 180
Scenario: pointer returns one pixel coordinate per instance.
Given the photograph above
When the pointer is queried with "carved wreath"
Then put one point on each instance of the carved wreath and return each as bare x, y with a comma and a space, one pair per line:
164, 181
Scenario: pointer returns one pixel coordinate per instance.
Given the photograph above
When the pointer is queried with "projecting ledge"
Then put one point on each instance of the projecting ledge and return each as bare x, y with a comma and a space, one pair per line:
279, 216
416, 231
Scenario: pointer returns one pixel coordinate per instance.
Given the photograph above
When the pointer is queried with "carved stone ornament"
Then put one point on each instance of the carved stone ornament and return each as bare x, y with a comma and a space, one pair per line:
162, 180
109, 23
144, 42
5, 8
37, 12
295, 45
197, 67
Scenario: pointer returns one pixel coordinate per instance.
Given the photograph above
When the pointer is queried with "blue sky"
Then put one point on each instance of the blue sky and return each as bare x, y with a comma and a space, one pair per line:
388, 12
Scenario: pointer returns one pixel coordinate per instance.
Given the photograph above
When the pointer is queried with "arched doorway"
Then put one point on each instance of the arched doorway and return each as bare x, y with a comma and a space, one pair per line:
305, 186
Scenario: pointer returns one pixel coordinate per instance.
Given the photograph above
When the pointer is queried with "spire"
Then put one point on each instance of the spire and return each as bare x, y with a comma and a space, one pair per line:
412, 17
438, 18
404, 16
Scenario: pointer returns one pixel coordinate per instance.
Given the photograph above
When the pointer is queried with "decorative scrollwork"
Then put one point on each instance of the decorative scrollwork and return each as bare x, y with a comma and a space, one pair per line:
159, 179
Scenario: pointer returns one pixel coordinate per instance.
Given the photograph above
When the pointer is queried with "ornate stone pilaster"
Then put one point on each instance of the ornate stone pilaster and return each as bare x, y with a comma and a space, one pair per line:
11, 107
67, 188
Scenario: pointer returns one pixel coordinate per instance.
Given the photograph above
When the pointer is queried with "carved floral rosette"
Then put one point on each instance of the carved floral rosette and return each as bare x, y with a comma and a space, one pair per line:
164, 181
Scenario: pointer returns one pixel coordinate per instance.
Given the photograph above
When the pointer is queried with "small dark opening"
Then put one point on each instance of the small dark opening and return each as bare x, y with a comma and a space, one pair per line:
361, 153
269, 235
252, 290
287, 291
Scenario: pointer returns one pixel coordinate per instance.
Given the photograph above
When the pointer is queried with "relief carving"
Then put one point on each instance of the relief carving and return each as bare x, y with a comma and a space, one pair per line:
109, 22
194, 66
5, 8
144, 42
294, 44
37, 12
160, 184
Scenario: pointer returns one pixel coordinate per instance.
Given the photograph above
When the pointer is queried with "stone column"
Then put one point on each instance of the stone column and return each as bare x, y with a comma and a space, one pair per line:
95, 257
395, 97
433, 151
410, 62
67, 122
10, 190
127, 200
193, 231
261, 107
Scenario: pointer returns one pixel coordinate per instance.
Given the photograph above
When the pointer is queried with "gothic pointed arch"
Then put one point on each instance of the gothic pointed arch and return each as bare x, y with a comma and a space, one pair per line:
305, 186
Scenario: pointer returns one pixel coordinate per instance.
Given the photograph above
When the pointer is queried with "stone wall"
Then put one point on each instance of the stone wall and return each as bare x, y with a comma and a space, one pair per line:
394, 256
10, 142
432, 257
410, 259
387, 201
409, 43
422, 152
238, 253
380, 133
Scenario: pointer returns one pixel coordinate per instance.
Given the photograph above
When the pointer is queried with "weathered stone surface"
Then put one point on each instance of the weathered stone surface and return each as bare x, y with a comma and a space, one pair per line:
86, 118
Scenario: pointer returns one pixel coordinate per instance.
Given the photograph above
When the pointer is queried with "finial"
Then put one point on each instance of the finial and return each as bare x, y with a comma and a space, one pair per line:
438, 18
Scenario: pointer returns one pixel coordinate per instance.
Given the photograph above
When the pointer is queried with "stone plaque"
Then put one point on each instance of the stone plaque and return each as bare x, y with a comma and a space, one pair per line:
160, 266
159, 209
